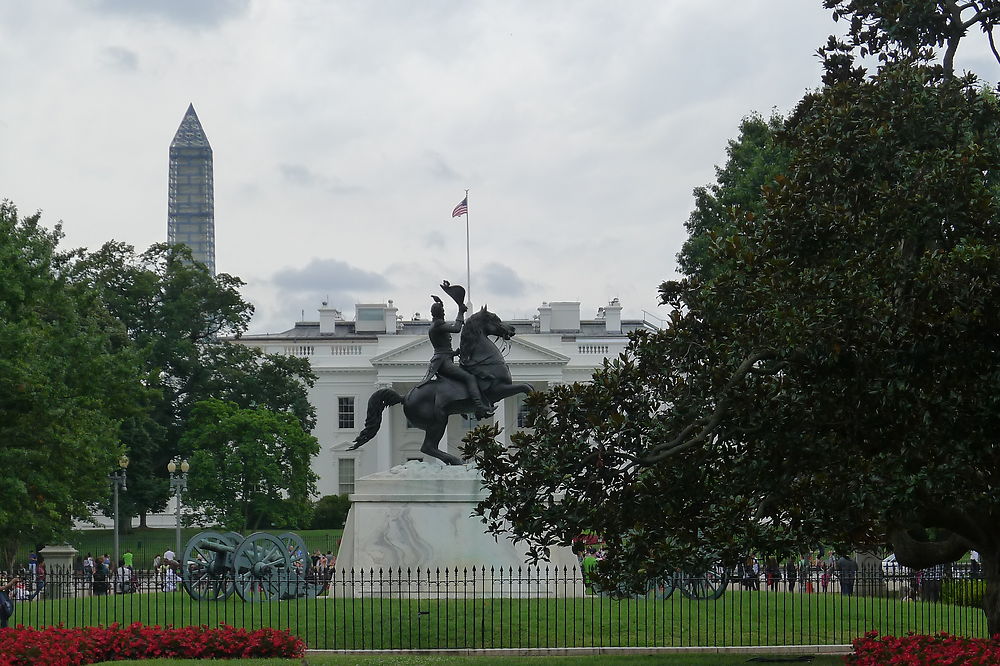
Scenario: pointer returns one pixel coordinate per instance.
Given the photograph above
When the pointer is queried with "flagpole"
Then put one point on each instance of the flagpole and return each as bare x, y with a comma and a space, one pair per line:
468, 263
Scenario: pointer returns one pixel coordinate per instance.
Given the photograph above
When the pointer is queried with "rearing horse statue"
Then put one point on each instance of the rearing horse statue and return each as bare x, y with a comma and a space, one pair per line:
428, 405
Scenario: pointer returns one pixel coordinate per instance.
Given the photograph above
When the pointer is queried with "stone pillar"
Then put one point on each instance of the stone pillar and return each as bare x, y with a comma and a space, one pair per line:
870, 581
418, 516
59, 570
383, 441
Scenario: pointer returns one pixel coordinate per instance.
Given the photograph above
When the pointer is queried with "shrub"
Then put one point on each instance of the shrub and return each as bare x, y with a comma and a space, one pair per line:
56, 646
875, 650
330, 512
963, 592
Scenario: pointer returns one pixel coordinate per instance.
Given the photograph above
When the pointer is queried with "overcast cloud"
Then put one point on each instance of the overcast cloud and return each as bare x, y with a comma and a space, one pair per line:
345, 132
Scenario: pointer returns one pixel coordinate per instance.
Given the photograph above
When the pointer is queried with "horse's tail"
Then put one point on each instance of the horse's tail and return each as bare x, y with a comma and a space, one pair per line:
380, 399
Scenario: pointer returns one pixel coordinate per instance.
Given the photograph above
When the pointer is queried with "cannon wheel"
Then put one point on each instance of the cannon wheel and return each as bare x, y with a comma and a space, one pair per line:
261, 565
706, 586
301, 577
298, 554
662, 588
205, 571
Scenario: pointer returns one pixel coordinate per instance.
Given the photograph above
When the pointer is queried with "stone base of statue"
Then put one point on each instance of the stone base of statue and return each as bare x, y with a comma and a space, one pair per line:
410, 533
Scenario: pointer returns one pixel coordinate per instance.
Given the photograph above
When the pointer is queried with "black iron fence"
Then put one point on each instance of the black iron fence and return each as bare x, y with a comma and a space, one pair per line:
517, 608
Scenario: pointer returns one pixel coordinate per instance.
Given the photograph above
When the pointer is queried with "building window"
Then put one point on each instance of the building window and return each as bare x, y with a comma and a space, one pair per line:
345, 413
345, 476
522, 415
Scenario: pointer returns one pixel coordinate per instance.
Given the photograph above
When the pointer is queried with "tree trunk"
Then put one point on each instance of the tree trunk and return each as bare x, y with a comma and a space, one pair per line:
142, 520
990, 563
8, 554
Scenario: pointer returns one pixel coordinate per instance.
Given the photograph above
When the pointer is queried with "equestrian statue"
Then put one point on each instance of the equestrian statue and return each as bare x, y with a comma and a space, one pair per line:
472, 387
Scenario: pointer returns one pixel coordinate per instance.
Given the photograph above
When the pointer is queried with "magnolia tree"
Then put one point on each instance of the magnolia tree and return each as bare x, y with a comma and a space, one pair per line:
834, 378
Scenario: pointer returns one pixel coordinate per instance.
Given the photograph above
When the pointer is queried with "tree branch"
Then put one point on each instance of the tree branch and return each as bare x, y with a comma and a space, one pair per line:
922, 554
993, 46
678, 444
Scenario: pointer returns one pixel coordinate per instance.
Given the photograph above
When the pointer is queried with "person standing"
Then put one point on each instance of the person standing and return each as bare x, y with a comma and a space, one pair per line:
931, 579
588, 567
772, 573
123, 578
100, 581
39, 576
88, 568
127, 557
790, 575
7, 601
847, 571
170, 580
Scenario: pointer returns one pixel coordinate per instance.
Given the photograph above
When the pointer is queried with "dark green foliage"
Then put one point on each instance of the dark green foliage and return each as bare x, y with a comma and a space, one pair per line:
330, 512
176, 315
250, 468
67, 378
963, 592
888, 28
754, 159
834, 380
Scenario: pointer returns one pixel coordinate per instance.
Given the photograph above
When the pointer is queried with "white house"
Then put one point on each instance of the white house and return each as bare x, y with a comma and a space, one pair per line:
380, 349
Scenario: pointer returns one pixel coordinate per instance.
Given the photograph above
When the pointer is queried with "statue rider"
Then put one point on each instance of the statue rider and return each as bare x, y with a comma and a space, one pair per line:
440, 334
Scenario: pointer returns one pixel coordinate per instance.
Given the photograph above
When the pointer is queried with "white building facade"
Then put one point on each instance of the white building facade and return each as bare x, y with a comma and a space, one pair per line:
379, 349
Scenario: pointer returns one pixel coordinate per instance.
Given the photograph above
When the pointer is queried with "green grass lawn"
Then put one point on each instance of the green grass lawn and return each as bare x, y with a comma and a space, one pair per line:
146, 544
415, 660
736, 619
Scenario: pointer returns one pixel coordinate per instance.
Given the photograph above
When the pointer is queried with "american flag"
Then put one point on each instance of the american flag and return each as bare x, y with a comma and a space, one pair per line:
462, 208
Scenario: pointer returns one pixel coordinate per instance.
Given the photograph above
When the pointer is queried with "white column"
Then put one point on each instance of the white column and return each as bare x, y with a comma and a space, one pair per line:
502, 418
383, 441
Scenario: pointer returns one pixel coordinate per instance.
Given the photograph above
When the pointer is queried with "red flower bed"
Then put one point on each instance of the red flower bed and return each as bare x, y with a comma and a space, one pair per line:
57, 646
875, 650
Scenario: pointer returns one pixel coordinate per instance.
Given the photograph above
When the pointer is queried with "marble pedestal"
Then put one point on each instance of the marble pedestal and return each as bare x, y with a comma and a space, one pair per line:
410, 532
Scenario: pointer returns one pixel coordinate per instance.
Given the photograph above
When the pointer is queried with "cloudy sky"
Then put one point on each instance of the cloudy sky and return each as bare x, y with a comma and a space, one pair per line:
344, 133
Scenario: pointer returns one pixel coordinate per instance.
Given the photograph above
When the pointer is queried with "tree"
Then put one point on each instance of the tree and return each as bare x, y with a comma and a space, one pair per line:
66, 378
889, 27
754, 159
330, 512
834, 381
250, 468
177, 315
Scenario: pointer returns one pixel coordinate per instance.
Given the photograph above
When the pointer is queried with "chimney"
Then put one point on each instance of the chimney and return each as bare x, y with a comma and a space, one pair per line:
390, 319
613, 316
545, 318
565, 316
328, 318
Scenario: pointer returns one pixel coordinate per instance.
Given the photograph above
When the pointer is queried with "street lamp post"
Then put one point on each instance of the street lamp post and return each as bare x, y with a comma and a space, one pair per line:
178, 482
118, 479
